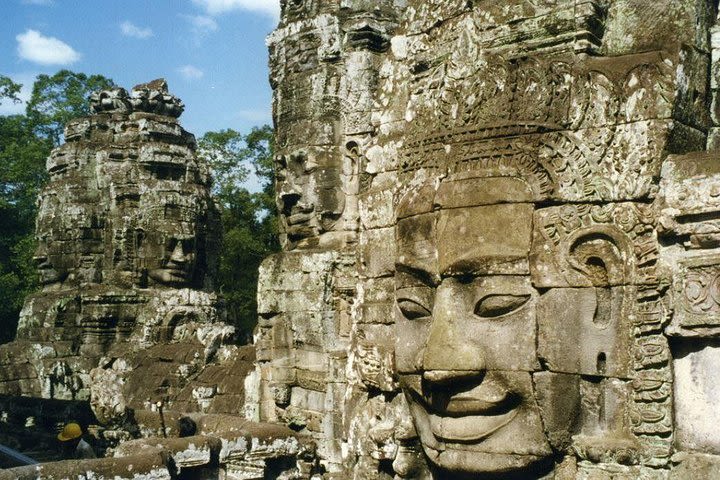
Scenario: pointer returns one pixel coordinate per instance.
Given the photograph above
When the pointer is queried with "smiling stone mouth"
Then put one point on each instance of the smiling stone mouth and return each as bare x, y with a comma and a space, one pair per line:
468, 412
469, 428
177, 272
471, 395
300, 218
464, 404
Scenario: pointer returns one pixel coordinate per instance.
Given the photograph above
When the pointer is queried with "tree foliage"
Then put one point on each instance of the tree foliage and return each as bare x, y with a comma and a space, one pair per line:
61, 97
249, 218
9, 90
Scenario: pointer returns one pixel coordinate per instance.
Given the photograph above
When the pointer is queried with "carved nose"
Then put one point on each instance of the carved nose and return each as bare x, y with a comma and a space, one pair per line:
178, 255
456, 364
449, 355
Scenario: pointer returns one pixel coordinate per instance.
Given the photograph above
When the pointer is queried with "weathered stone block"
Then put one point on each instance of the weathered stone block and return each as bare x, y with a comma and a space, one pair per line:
558, 397
377, 313
592, 338
376, 209
376, 252
695, 465
696, 388
483, 230
635, 26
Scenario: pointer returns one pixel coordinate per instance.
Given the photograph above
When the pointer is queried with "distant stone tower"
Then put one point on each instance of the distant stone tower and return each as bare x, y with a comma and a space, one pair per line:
126, 251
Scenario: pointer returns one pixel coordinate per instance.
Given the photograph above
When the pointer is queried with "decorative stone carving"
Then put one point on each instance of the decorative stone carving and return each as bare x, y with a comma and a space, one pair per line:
554, 310
500, 245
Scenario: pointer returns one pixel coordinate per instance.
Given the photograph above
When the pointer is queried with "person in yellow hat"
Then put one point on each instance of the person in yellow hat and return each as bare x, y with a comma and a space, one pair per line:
72, 443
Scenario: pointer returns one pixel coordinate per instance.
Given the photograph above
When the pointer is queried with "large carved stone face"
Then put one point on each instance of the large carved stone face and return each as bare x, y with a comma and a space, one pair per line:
311, 195
53, 265
171, 255
466, 327
178, 253
68, 236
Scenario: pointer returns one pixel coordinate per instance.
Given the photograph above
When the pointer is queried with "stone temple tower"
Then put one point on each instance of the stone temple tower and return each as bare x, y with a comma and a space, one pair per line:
126, 251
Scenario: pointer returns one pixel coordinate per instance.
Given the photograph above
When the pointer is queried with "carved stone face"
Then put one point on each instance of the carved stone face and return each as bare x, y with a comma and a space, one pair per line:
52, 265
67, 232
178, 261
311, 196
466, 327
170, 253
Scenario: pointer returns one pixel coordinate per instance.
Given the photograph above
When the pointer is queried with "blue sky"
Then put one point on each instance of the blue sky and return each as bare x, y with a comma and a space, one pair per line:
211, 52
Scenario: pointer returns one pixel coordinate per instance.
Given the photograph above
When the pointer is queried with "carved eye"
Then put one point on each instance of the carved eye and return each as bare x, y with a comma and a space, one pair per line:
412, 310
493, 306
309, 167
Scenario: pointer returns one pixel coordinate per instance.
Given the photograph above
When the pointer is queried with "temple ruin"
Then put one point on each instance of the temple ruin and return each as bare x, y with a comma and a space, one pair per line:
499, 238
127, 320
501, 253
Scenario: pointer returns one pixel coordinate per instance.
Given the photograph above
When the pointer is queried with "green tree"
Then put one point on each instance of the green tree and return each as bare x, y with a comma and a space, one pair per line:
22, 174
61, 97
25, 143
249, 218
9, 90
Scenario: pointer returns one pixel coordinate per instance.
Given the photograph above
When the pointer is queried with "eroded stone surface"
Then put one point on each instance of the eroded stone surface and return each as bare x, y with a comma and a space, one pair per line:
554, 305
500, 243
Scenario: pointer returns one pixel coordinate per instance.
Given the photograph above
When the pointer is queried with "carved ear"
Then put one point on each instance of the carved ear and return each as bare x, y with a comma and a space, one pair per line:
600, 257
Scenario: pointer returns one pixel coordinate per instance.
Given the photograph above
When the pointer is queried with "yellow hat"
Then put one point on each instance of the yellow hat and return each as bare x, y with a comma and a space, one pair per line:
71, 431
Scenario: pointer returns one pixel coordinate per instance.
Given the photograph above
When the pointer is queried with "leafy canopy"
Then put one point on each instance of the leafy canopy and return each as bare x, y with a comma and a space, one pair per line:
9, 90
59, 98
249, 218
25, 143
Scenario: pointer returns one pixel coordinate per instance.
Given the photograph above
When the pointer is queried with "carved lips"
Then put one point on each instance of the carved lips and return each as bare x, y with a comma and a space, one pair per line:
467, 414
300, 221
468, 428
301, 214
47, 273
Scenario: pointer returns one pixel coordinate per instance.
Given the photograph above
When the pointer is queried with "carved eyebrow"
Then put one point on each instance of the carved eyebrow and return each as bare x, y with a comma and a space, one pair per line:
429, 279
479, 266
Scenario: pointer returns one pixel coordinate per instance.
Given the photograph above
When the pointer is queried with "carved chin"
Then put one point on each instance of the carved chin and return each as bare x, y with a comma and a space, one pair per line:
300, 231
455, 460
169, 276
490, 443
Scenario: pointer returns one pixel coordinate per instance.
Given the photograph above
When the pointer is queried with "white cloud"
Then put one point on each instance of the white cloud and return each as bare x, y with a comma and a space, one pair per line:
190, 72
201, 24
8, 107
35, 47
216, 7
129, 29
